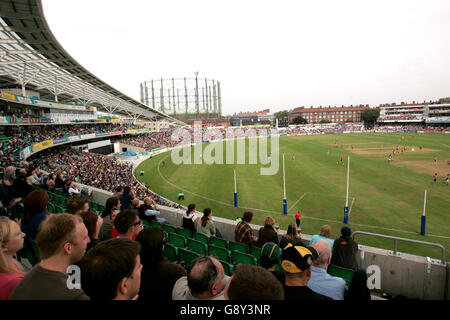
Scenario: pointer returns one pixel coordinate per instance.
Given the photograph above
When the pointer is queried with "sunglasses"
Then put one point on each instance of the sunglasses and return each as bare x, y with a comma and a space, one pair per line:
138, 223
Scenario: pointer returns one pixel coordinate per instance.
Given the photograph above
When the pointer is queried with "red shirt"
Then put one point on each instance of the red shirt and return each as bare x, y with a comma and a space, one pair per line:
115, 234
297, 216
8, 282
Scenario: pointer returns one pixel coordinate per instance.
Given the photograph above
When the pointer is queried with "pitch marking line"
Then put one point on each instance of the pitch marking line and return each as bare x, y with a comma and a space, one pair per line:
275, 212
298, 200
351, 206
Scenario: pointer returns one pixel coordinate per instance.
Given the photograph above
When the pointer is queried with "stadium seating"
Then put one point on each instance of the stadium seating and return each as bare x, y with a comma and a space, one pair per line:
169, 228
200, 237
177, 240
186, 257
236, 246
239, 257
227, 267
218, 252
170, 252
184, 232
218, 242
256, 252
197, 246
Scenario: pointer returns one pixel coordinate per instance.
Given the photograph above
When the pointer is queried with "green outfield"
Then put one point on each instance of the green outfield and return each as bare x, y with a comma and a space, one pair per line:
384, 197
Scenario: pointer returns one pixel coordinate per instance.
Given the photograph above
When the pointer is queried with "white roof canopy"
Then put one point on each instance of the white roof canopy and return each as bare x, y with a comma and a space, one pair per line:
32, 58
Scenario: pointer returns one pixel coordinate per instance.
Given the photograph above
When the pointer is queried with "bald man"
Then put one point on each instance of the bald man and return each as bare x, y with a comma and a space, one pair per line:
206, 281
321, 282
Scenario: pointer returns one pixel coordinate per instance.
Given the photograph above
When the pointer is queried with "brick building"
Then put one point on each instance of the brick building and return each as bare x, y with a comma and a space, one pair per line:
332, 114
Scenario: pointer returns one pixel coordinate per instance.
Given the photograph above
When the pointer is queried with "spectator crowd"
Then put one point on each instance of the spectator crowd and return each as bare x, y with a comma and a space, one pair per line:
126, 261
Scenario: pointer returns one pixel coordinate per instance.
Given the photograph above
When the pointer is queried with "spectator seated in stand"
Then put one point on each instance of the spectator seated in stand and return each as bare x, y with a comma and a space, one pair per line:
206, 280
112, 270
35, 206
93, 223
37, 175
149, 211
267, 233
206, 225
321, 282
345, 250
126, 198
30, 178
118, 192
128, 224
324, 233
296, 262
270, 258
253, 283
11, 241
20, 187
112, 204
190, 220
71, 190
59, 182
158, 274
358, 290
62, 240
291, 237
243, 232
50, 183
114, 234
77, 205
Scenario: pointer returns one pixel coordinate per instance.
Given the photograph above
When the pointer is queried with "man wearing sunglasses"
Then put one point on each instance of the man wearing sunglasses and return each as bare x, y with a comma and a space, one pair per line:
128, 224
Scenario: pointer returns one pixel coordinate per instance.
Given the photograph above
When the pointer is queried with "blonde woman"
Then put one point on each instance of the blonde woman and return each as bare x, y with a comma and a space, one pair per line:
325, 234
11, 241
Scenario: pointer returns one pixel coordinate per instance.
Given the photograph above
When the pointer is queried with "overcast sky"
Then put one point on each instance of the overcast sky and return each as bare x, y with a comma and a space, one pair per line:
266, 54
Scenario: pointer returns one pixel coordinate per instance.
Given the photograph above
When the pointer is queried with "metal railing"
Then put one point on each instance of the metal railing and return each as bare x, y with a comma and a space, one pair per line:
404, 239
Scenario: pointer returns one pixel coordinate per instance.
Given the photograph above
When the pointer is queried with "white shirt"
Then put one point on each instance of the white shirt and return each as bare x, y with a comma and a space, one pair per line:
72, 190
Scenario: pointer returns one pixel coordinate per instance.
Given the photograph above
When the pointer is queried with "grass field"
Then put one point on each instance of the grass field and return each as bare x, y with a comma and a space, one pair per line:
383, 198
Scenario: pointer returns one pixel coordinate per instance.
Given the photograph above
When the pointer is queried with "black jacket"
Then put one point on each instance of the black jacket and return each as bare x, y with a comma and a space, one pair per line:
20, 187
267, 234
345, 250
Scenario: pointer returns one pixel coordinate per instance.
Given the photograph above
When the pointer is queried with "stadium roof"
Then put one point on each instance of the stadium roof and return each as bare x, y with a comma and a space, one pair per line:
31, 57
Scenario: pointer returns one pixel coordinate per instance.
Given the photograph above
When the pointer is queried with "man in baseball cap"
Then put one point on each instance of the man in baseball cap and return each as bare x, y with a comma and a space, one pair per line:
296, 262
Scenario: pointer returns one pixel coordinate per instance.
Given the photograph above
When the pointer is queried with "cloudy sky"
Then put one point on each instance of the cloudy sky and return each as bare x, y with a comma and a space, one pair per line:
266, 54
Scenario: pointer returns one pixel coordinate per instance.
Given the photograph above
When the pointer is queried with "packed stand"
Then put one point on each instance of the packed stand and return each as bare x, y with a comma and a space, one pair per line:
94, 170
13, 141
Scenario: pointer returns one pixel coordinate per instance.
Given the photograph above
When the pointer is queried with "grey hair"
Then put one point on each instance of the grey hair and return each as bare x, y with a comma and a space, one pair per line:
203, 275
323, 249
